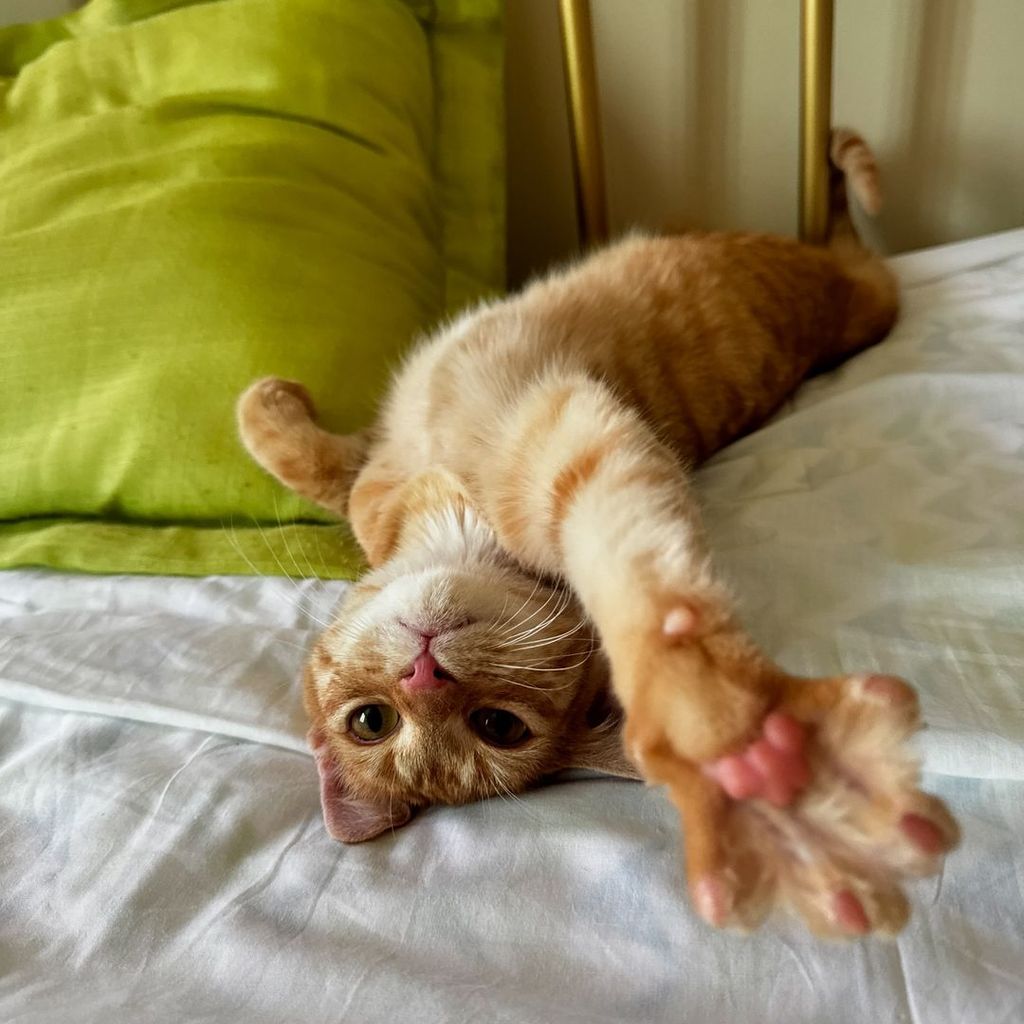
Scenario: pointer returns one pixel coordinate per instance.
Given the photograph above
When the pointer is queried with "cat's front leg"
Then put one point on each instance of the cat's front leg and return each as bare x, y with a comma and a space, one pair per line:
793, 792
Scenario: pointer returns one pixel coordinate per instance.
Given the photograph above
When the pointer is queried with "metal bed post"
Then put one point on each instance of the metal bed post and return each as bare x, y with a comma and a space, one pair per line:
816, 29
584, 121
815, 116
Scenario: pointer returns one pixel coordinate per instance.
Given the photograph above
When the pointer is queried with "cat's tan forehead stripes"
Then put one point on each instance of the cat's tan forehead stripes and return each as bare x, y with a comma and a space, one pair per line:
442, 776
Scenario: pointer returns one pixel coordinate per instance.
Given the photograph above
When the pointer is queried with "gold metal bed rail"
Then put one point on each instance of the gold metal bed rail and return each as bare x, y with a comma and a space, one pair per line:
815, 116
816, 28
584, 121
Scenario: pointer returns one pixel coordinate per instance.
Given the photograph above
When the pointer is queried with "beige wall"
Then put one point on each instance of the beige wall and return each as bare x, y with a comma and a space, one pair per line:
699, 105
14, 11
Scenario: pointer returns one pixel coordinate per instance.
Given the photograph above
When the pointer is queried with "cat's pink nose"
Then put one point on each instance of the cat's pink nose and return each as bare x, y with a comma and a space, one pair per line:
426, 674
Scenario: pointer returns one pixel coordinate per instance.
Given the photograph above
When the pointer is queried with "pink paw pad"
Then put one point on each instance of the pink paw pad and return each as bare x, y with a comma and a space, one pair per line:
681, 623
889, 690
773, 767
848, 912
923, 833
712, 900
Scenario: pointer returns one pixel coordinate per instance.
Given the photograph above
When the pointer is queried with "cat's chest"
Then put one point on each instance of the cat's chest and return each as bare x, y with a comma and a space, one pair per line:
447, 408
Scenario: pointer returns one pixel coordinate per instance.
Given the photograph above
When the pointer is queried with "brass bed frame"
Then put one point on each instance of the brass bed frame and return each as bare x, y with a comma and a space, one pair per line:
585, 128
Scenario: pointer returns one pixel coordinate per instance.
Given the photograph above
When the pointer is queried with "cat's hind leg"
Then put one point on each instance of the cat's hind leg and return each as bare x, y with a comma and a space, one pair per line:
277, 424
793, 792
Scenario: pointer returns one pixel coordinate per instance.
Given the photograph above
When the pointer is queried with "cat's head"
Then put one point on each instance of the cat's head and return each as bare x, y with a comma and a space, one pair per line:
451, 675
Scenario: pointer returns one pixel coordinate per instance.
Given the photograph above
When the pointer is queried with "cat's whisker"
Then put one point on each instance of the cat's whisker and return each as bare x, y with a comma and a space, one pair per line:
527, 668
497, 777
587, 641
233, 538
501, 783
566, 597
270, 547
557, 593
354, 625
297, 605
391, 810
516, 682
319, 550
500, 619
306, 565
273, 553
537, 611
283, 532
289, 643
529, 686
525, 634
584, 657
331, 536
314, 573
284, 572
526, 601
302, 604
539, 641
564, 668
279, 523
504, 792
545, 659
548, 640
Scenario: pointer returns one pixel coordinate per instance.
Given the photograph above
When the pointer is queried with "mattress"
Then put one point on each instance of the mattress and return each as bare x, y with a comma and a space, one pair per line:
162, 856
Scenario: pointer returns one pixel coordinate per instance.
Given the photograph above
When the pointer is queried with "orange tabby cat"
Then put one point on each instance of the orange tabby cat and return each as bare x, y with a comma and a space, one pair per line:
525, 493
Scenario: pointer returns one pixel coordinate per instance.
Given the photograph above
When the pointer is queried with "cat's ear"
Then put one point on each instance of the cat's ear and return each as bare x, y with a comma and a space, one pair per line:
598, 744
600, 750
348, 818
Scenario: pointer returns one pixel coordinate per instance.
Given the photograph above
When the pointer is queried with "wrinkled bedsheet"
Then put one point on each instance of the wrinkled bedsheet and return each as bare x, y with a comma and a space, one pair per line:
161, 852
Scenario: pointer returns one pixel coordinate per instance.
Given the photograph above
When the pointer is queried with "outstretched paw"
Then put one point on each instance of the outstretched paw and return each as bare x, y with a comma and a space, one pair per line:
815, 808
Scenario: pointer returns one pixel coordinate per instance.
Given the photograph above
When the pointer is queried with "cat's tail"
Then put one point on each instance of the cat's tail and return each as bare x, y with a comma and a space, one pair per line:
874, 304
277, 424
854, 168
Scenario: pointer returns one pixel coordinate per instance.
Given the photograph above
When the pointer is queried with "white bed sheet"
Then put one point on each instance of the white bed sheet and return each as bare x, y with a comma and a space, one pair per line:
161, 853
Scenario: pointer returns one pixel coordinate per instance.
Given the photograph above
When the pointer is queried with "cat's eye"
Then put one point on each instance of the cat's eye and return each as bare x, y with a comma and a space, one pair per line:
499, 728
373, 722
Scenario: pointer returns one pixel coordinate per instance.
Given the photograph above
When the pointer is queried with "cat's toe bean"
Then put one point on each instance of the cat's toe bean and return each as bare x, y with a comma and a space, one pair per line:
930, 830
923, 833
785, 732
289, 397
737, 776
890, 691
773, 767
681, 622
713, 899
849, 914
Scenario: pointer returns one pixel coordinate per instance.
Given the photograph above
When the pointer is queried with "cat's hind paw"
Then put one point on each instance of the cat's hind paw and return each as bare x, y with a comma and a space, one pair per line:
277, 424
273, 403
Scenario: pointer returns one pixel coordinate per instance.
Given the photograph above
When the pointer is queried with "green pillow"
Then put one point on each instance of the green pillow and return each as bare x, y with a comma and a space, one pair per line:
193, 195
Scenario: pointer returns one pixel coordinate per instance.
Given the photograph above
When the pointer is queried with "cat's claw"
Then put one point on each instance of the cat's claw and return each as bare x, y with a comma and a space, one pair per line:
819, 811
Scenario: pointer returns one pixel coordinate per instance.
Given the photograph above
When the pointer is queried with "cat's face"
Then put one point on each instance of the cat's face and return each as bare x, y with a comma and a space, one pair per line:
449, 684
449, 674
